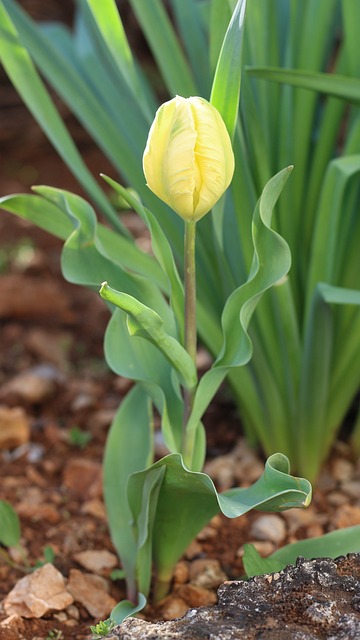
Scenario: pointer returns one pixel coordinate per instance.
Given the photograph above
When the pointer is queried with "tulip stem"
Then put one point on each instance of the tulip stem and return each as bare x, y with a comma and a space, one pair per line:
190, 312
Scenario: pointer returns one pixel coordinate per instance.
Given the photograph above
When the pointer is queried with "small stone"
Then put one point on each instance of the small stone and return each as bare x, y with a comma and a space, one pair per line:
40, 299
38, 593
207, 573
207, 533
172, 607
83, 478
337, 498
351, 488
195, 596
92, 592
222, 471
14, 427
73, 612
94, 508
13, 624
32, 386
342, 469
264, 547
194, 549
96, 561
269, 527
181, 572
314, 530
347, 515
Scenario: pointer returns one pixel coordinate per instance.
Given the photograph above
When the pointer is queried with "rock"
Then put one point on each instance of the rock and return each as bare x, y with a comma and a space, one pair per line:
181, 572
14, 427
269, 527
83, 478
94, 508
264, 547
195, 596
51, 348
207, 573
38, 593
96, 561
172, 607
312, 599
342, 469
347, 515
92, 592
33, 386
38, 299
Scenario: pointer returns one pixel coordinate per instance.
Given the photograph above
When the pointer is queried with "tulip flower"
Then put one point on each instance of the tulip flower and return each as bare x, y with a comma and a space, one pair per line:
188, 160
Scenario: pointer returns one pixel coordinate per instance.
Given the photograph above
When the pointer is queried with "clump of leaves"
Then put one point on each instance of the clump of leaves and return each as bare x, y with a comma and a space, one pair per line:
10, 534
79, 438
102, 628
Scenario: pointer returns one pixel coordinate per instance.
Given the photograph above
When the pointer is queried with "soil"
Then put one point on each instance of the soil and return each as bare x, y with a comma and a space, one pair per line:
49, 324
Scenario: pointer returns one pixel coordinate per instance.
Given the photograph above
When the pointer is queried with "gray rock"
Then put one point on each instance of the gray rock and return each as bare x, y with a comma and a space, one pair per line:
312, 600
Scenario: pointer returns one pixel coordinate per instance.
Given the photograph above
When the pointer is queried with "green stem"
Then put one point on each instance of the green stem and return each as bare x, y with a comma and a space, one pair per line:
190, 317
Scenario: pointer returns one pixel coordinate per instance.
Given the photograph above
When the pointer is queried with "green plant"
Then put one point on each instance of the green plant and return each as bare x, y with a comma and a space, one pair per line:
102, 628
55, 634
295, 390
10, 536
294, 393
79, 438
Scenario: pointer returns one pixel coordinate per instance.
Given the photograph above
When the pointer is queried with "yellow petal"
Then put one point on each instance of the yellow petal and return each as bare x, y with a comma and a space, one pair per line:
188, 160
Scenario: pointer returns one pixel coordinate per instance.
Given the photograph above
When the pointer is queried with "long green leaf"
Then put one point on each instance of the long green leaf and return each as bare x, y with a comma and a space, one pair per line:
333, 85
128, 449
330, 545
158, 30
20, 69
225, 93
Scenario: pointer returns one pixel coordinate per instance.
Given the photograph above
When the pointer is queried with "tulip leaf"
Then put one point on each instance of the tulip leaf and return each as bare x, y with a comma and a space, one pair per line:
330, 545
137, 359
146, 323
187, 500
126, 609
9, 525
129, 448
162, 251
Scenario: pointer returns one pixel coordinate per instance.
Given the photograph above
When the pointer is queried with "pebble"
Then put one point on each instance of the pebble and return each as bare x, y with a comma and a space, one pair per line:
264, 547
172, 607
207, 573
347, 515
83, 478
194, 549
96, 561
269, 527
342, 469
195, 596
92, 592
351, 488
94, 508
32, 386
181, 572
336, 498
14, 427
38, 593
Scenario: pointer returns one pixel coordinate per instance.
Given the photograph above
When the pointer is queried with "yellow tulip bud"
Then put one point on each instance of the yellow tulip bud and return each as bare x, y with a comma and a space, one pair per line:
188, 160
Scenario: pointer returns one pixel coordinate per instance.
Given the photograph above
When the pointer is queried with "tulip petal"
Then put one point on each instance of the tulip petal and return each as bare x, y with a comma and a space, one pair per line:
188, 160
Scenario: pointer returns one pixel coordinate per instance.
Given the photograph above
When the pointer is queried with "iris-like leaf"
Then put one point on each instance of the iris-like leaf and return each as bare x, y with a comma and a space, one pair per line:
330, 545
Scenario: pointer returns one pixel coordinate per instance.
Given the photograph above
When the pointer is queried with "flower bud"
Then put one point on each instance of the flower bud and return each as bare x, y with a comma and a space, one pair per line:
188, 160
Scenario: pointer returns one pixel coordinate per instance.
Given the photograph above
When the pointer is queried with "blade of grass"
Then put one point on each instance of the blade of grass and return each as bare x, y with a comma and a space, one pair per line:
159, 32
